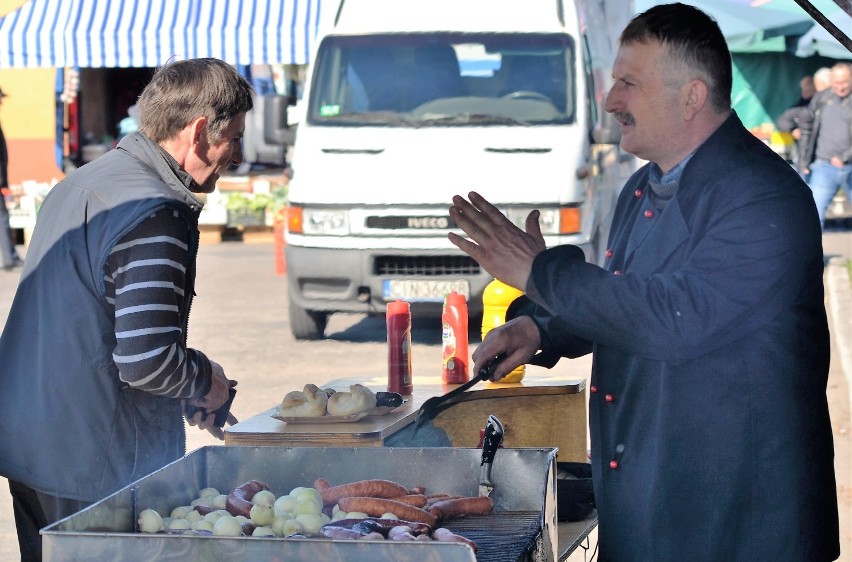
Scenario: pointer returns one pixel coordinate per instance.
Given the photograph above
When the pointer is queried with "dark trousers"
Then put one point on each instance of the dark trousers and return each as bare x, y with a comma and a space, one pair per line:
33, 511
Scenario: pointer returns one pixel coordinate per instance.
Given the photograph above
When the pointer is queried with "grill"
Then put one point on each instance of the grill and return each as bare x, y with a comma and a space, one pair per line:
427, 266
521, 529
501, 537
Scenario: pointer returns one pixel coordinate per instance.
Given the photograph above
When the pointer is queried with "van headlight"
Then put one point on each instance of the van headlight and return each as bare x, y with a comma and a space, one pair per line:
325, 222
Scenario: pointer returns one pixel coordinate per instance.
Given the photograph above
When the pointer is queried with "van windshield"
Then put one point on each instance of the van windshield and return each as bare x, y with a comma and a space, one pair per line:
448, 80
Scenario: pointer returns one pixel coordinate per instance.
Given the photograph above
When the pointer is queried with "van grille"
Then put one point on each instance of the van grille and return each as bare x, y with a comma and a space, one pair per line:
425, 265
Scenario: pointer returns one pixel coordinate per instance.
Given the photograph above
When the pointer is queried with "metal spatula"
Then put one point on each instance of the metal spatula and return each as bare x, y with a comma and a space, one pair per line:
432, 406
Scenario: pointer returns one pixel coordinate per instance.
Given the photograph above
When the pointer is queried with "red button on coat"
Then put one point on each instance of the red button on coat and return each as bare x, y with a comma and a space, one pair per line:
608, 253
617, 272
593, 388
613, 464
609, 398
637, 193
649, 214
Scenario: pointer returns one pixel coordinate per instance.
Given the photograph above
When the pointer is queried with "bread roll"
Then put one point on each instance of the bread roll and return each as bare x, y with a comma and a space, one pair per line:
358, 399
310, 402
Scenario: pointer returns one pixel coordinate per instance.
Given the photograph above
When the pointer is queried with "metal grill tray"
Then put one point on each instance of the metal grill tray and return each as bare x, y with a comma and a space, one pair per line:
524, 498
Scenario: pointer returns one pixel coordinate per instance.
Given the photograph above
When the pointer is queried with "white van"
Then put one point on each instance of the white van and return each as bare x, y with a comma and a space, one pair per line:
411, 102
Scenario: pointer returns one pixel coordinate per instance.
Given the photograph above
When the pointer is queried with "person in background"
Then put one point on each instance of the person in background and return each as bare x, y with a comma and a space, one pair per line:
96, 373
129, 124
9, 254
709, 424
825, 148
822, 79
788, 122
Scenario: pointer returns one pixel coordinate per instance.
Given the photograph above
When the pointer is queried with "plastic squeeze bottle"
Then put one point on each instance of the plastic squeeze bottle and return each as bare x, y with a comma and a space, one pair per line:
399, 347
496, 298
455, 358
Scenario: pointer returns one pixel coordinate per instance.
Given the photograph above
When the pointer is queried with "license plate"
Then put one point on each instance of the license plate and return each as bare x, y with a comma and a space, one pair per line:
423, 290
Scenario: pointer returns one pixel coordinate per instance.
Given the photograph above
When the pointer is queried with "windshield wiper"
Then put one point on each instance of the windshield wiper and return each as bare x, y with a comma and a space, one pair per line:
371, 118
471, 119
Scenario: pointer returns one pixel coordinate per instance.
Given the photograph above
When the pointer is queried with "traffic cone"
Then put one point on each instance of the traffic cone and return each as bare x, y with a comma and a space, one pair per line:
278, 233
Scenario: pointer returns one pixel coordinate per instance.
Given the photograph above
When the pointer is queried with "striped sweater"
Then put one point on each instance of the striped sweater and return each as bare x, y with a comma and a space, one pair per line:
144, 280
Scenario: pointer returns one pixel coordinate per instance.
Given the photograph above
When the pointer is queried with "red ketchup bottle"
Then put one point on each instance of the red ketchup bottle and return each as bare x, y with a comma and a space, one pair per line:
399, 347
455, 357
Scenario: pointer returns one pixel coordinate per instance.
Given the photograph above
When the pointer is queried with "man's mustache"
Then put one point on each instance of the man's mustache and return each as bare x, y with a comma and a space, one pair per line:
624, 118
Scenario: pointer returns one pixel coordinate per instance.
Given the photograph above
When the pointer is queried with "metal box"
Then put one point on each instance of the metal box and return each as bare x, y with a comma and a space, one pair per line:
524, 481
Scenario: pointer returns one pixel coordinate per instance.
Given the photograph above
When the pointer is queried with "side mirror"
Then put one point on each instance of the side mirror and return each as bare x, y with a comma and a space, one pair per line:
275, 128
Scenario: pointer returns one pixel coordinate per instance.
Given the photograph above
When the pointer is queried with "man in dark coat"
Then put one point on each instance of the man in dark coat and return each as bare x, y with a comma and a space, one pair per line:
709, 423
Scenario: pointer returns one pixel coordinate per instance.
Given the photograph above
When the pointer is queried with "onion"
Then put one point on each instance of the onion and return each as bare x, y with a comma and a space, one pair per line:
150, 521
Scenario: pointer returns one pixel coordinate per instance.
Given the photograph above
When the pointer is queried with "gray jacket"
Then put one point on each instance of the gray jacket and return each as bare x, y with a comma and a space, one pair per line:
810, 123
68, 426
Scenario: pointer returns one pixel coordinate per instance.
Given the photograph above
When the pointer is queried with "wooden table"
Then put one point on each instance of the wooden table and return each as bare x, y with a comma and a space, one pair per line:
527, 409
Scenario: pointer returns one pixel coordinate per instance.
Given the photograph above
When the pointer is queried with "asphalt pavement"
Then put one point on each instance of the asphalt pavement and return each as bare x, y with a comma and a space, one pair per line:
240, 319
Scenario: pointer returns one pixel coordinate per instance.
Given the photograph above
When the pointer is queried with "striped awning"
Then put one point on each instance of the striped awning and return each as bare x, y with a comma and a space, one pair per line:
149, 33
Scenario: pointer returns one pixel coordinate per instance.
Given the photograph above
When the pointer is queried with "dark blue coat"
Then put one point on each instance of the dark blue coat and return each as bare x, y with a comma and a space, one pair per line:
709, 423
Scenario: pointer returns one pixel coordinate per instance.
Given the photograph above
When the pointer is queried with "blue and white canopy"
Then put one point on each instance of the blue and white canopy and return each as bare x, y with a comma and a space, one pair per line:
149, 33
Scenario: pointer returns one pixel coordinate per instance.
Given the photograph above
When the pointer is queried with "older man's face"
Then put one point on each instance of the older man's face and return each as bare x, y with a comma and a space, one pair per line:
208, 162
841, 81
647, 109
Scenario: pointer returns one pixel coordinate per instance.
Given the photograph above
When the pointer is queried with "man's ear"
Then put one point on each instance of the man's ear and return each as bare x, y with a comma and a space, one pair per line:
198, 131
696, 97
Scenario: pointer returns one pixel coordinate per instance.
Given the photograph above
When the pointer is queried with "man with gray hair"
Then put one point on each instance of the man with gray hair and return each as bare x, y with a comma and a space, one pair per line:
96, 373
825, 148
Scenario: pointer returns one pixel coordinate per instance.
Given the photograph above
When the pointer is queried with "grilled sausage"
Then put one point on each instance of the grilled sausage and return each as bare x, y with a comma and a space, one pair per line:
363, 489
433, 499
417, 500
239, 500
417, 490
321, 484
459, 507
445, 535
380, 506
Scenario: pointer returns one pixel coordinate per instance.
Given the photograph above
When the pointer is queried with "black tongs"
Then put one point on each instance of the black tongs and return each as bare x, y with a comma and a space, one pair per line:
432, 406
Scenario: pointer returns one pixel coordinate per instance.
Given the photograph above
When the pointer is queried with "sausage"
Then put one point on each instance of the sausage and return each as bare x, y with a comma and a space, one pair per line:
417, 490
417, 500
445, 535
401, 533
459, 507
380, 506
322, 484
432, 500
239, 500
363, 489
334, 532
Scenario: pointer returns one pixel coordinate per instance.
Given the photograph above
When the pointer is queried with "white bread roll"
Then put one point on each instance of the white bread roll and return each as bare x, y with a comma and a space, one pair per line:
310, 402
358, 399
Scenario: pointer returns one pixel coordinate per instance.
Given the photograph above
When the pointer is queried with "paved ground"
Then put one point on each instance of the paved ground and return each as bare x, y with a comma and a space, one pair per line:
240, 319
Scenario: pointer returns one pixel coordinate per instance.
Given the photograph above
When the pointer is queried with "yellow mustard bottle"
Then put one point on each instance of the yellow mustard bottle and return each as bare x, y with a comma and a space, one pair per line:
496, 298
